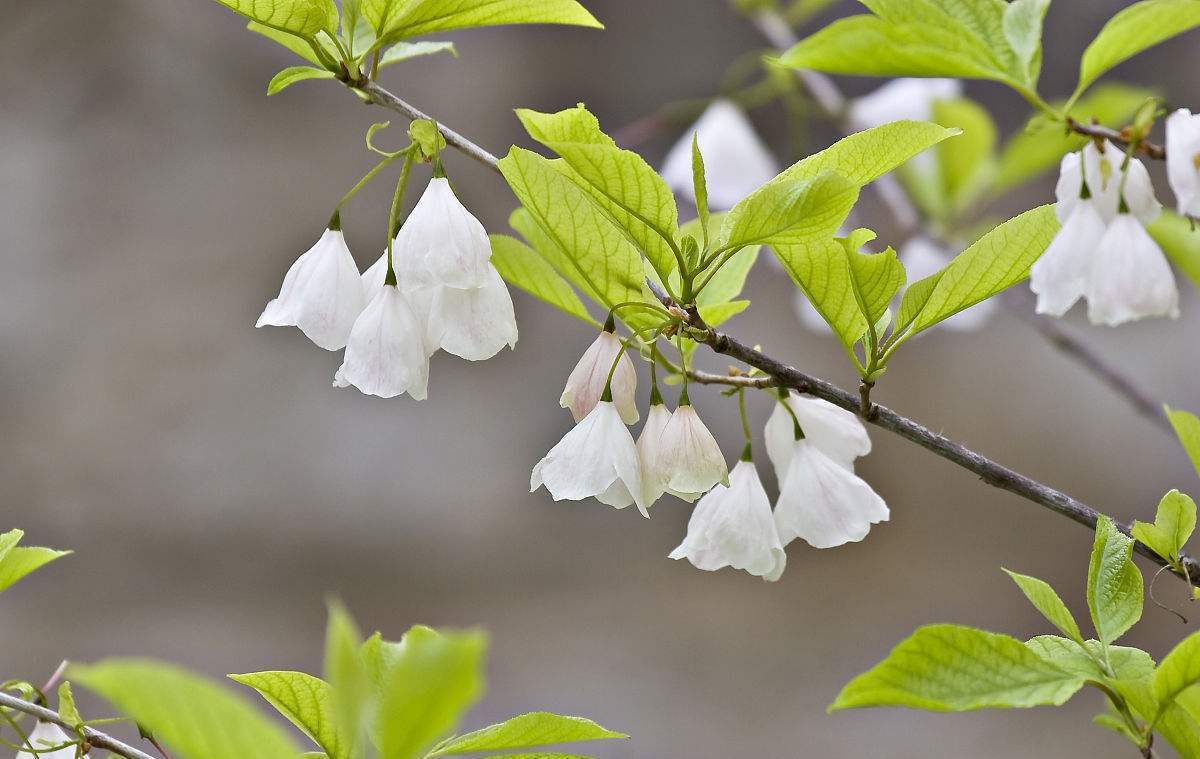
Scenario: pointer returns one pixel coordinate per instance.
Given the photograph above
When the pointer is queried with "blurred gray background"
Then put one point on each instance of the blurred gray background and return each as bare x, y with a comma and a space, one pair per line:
216, 488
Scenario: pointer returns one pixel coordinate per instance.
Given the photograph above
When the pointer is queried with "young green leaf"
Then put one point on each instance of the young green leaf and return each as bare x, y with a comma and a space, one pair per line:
1134, 29
349, 687
948, 668
8, 540
194, 717
1179, 670
595, 255
436, 678
1127, 663
306, 702
1114, 584
300, 17
620, 181
1173, 525
967, 163
874, 277
528, 731
1187, 428
293, 74
399, 19
700, 186
1180, 241
1176, 724
20, 561
1023, 30
997, 261
66, 705
520, 265
820, 270
1045, 600
790, 213
865, 156
403, 51
297, 45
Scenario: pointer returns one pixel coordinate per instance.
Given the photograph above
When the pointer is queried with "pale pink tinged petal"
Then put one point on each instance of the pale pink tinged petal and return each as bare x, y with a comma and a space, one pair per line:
736, 161
649, 448
473, 324
385, 355
1059, 277
823, 503
691, 460
1183, 152
586, 383
732, 526
1130, 277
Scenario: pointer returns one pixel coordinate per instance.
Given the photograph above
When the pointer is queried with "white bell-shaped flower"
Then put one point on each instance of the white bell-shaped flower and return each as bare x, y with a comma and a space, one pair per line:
650, 450
1130, 278
688, 462
1060, 277
385, 355
441, 243
823, 502
836, 431
586, 383
736, 162
1107, 181
474, 324
596, 459
732, 526
321, 294
44, 735
922, 257
1183, 160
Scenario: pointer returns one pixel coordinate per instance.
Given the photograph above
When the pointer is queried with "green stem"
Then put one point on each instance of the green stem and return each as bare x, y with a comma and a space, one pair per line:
684, 400
369, 176
748, 451
394, 213
612, 370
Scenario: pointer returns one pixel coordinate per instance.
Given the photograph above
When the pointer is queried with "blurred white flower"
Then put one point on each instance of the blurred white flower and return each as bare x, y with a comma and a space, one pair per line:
46, 734
1130, 278
899, 100
732, 526
1060, 277
823, 502
688, 462
1103, 170
836, 431
385, 355
736, 162
586, 383
596, 459
1183, 160
321, 293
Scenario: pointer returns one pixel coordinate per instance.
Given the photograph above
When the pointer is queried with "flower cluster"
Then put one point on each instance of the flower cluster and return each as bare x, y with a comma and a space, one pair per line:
435, 289
811, 443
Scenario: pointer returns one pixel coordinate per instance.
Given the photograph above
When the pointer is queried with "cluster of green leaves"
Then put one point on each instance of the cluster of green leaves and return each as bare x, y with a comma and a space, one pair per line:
394, 700
17, 561
950, 668
598, 221
367, 35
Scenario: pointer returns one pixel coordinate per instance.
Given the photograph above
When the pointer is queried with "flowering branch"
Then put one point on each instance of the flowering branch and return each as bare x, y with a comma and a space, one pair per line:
92, 736
1121, 138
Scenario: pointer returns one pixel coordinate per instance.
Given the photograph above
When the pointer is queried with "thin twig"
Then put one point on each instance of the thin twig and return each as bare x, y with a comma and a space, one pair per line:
91, 735
1119, 138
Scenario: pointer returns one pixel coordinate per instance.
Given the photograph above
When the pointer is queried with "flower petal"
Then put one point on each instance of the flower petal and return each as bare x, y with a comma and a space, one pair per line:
1183, 150
473, 324
1060, 276
586, 383
1130, 277
385, 355
823, 503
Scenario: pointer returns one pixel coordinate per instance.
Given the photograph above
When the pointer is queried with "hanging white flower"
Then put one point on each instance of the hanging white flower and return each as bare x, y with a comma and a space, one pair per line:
586, 383
732, 526
1060, 277
688, 462
839, 433
823, 502
46, 734
736, 162
596, 459
385, 355
649, 449
321, 293
473, 324
1106, 180
1183, 160
1130, 278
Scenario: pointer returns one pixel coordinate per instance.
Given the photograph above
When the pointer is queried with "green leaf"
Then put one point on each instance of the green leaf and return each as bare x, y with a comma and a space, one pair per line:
520, 265
194, 717
995, 262
1179, 670
378, 657
1126, 662
728, 281
306, 701
399, 19
875, 277
1173, 525
1175, 723
620, 181
947, 668
349, 686
297, 45
820, 270
436, 678
1114, 585
403, 51
293, 74
1180, 241
578, 237
1023, 32
528, 731
66, 705
355, 28
716, 314
16, 562
301, 17
1187, 428
1043, 142
1134, 29
790, 213
700, 186
967, 163
1045, 600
